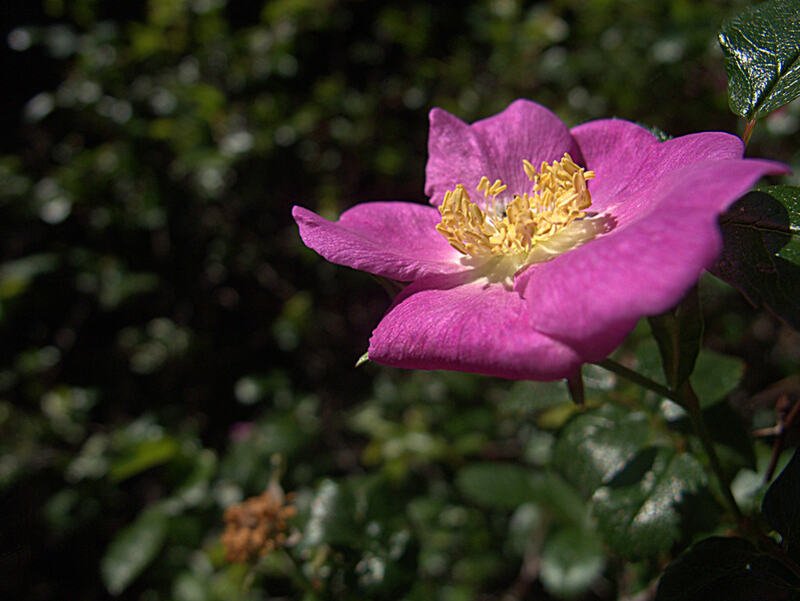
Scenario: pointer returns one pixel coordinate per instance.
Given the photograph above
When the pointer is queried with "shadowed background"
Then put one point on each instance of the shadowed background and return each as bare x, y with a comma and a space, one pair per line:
166, 337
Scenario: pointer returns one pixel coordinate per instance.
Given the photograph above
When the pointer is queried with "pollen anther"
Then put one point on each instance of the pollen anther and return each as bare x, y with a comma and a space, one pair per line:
558, 197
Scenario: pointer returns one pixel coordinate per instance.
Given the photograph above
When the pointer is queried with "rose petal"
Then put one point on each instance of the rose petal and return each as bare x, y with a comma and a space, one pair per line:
629, 161
494, 147
455, 156
396, 240
449, 322
586, 297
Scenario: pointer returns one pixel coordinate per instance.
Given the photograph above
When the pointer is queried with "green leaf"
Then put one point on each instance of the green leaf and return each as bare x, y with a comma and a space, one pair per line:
501, 485
726, 568
731, 436
194, 488
132, 550
332, 519
387, 569
597, 444
762, 57
572, 559
761, 252
656, 131
526, 524
637, 511
679, 332
715, 376
16, 276
781, 506
509, 486
142, 456
561, 499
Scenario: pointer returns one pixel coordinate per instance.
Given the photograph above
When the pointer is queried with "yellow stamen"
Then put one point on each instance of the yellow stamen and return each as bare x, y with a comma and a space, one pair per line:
559, 196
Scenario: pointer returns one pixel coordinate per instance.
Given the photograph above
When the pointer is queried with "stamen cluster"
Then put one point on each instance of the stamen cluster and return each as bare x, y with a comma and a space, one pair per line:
558, 197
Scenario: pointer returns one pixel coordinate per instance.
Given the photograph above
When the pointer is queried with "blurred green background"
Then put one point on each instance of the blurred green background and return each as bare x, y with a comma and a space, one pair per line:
167, 340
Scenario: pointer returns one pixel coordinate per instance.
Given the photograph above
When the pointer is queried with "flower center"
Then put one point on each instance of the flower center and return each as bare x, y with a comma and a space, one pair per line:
558, 197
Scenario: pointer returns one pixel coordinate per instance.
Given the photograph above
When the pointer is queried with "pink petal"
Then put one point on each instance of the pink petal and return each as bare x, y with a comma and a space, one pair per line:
449, 322
455, 156
630, 163
396, 240
587, 297
494, 147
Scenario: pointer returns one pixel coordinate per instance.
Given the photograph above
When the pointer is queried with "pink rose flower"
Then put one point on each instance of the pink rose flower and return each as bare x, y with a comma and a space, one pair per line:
550, 267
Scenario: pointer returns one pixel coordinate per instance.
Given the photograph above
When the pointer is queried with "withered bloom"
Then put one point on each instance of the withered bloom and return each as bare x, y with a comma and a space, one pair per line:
256, 526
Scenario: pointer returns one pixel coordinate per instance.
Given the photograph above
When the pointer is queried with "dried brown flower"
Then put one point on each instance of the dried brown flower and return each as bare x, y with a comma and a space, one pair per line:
256, 526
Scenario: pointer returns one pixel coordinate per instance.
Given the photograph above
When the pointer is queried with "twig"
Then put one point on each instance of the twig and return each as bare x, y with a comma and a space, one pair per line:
784, 425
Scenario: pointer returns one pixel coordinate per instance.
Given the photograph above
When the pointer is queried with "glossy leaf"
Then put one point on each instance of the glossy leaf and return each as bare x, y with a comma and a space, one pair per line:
781, 505
726, 568
761, 253
762, 57
637, 511
133, 549
597, 444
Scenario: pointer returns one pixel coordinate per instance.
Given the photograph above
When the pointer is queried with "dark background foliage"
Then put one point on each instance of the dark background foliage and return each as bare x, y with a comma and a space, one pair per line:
167, 338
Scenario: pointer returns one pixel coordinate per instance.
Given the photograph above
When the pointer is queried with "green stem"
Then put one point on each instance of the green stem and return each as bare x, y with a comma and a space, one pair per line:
639, 379
687, 399
692, 405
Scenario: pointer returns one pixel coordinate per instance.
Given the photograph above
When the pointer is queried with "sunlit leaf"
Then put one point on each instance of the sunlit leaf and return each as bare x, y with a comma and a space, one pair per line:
762, 57
637, 511
596, 444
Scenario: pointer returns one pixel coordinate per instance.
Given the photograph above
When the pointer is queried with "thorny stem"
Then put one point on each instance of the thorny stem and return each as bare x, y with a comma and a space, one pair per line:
687, 399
